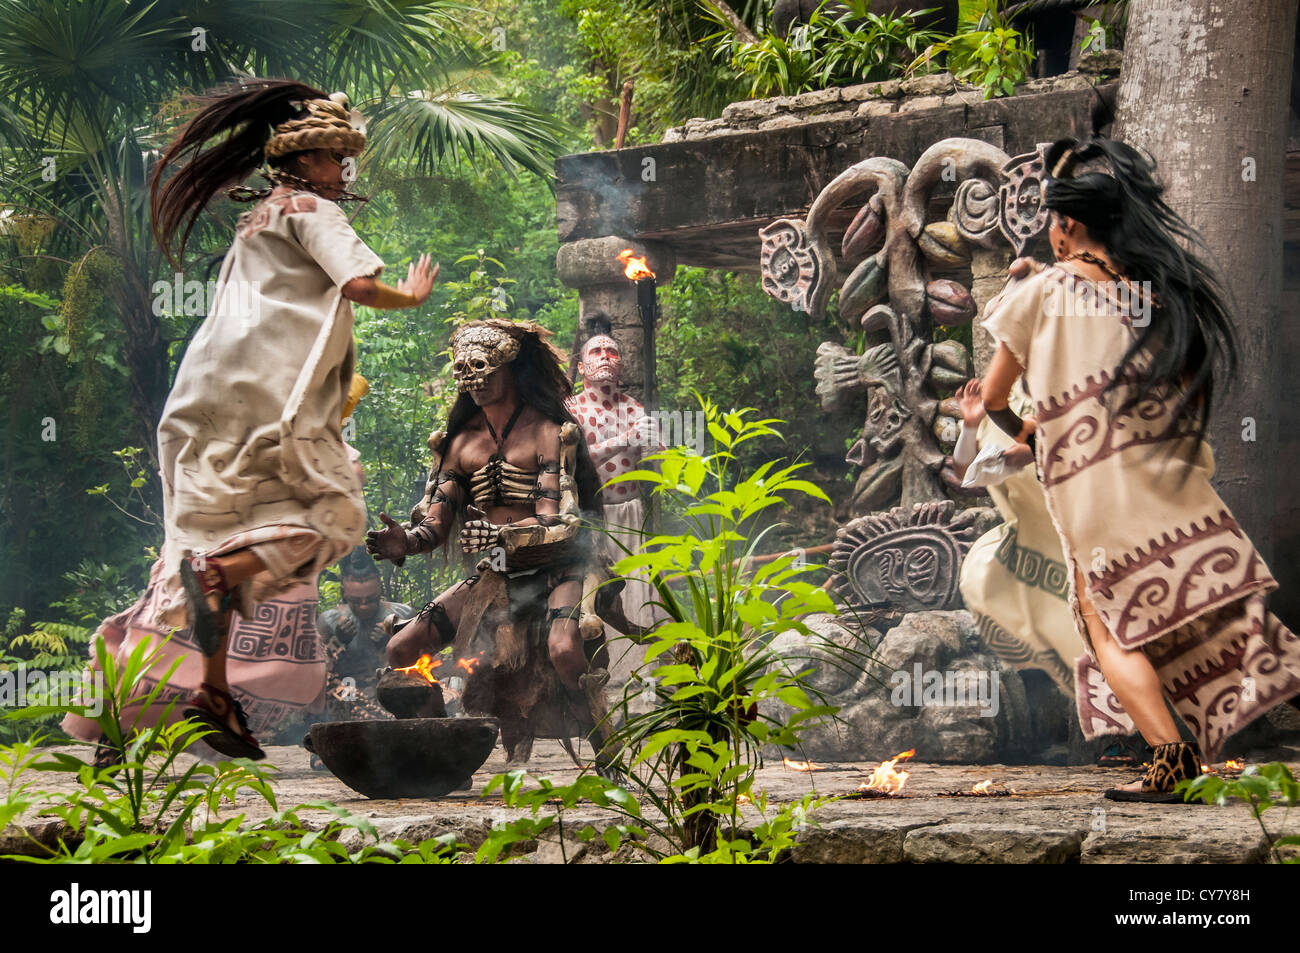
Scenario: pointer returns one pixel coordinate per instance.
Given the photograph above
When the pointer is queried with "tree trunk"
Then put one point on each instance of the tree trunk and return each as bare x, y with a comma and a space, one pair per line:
1204, 89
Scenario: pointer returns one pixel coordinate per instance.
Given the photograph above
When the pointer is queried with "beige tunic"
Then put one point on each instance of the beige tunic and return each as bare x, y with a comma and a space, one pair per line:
1166, 565
250, 441
1013, 579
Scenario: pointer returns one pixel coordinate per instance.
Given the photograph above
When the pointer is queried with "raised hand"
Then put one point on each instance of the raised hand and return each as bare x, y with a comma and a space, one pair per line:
387, 543
478, 532
419, 279
972, 406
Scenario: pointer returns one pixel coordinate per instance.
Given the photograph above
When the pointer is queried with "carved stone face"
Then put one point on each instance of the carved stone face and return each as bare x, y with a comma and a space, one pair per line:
477, 351
601, 360
1022, 214
886, 415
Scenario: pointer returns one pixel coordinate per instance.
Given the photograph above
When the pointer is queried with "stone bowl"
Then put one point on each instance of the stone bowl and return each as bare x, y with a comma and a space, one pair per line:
408, 757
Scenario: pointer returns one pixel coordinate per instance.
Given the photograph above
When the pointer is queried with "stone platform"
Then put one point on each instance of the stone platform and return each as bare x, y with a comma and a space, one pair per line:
1056, 815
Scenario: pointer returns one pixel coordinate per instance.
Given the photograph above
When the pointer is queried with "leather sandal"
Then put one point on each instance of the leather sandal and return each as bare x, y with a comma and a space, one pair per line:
209, 627
106, 756
210, 707
1170, 764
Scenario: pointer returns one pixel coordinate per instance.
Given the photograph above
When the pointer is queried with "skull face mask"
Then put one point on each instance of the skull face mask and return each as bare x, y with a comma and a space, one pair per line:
477, 351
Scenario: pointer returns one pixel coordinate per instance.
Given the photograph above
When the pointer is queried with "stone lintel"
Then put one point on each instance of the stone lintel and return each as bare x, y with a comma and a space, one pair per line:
594, 261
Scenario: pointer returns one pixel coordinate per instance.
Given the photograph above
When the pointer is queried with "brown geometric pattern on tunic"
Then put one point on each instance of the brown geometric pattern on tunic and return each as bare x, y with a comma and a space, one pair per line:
1225, 669
1084, 440
258, 218
1018, 653
1100, 712
1033, 568
1203, 567
280, 630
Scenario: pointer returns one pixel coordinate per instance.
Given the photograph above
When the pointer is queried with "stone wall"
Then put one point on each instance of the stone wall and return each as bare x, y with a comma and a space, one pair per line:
879, 99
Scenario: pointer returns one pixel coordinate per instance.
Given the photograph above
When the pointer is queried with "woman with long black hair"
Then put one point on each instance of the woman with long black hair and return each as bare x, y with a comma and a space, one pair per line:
259, 493
1121, 343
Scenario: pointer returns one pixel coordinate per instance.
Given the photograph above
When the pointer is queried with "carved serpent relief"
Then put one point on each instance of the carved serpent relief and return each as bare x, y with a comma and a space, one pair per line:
898, 278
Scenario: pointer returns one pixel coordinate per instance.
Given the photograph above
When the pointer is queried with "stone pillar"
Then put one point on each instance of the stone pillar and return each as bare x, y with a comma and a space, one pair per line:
988, 268
592, 266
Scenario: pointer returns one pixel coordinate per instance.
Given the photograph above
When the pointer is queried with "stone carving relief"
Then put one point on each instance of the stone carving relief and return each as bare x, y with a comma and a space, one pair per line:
899, 278
907, 560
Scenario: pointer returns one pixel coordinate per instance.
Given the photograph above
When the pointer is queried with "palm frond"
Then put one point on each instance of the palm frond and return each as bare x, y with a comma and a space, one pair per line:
429, 128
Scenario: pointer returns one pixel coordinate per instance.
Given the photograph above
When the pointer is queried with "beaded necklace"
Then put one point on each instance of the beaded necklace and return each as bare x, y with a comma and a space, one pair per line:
277, 177
1092, 259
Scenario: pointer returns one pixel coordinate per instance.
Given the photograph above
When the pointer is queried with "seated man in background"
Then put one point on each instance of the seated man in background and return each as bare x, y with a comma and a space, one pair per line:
354, 639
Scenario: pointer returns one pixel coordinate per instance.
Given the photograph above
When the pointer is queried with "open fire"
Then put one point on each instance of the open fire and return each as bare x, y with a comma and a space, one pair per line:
423, 667
983, 788
637, 270
634, 266
886, 780
800, 765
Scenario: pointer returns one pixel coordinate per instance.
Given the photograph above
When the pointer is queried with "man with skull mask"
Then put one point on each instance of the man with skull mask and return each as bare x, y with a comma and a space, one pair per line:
513, 467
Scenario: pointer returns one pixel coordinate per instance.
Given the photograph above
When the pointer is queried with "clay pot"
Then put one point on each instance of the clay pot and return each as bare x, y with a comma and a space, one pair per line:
410, 757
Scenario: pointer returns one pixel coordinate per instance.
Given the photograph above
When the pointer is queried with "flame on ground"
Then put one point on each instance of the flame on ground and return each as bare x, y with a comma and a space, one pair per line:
423, 667
885, 778
984, 787
800, 765
1235, 764
467, 664
634, 266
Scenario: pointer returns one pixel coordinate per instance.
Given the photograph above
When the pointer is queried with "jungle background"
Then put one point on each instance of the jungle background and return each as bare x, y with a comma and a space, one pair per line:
468, 109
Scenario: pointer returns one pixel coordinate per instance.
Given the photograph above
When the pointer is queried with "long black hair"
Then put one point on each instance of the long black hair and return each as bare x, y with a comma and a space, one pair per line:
1189, 339
243, 114
540, 383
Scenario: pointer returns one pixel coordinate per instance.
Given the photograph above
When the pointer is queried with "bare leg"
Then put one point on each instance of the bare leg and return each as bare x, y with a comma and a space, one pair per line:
237, 567
1132, 678
421, 636
564, 642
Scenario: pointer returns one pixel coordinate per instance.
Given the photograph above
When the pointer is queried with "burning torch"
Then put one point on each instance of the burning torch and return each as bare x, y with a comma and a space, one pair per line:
647, 304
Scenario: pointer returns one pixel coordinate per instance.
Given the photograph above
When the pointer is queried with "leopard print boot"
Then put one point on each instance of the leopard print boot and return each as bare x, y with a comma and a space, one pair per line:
1170, 764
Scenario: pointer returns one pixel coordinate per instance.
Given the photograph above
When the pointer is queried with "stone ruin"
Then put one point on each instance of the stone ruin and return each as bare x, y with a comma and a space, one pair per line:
910, 198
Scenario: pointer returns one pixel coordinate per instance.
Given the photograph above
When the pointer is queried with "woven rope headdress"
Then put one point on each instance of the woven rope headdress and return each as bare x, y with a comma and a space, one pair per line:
329, 124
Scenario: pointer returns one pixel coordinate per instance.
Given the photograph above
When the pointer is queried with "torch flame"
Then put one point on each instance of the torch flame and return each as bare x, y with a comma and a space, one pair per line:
885, 778
800, 765
633, 266
423, 667
984, 787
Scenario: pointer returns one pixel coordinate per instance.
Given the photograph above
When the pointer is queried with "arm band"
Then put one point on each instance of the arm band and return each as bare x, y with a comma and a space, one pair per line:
390, 298
424, 537
966, 448
1008, 421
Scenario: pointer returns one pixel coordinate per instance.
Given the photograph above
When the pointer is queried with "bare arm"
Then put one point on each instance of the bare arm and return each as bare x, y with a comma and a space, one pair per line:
409, 292
396, 542
1001, 375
